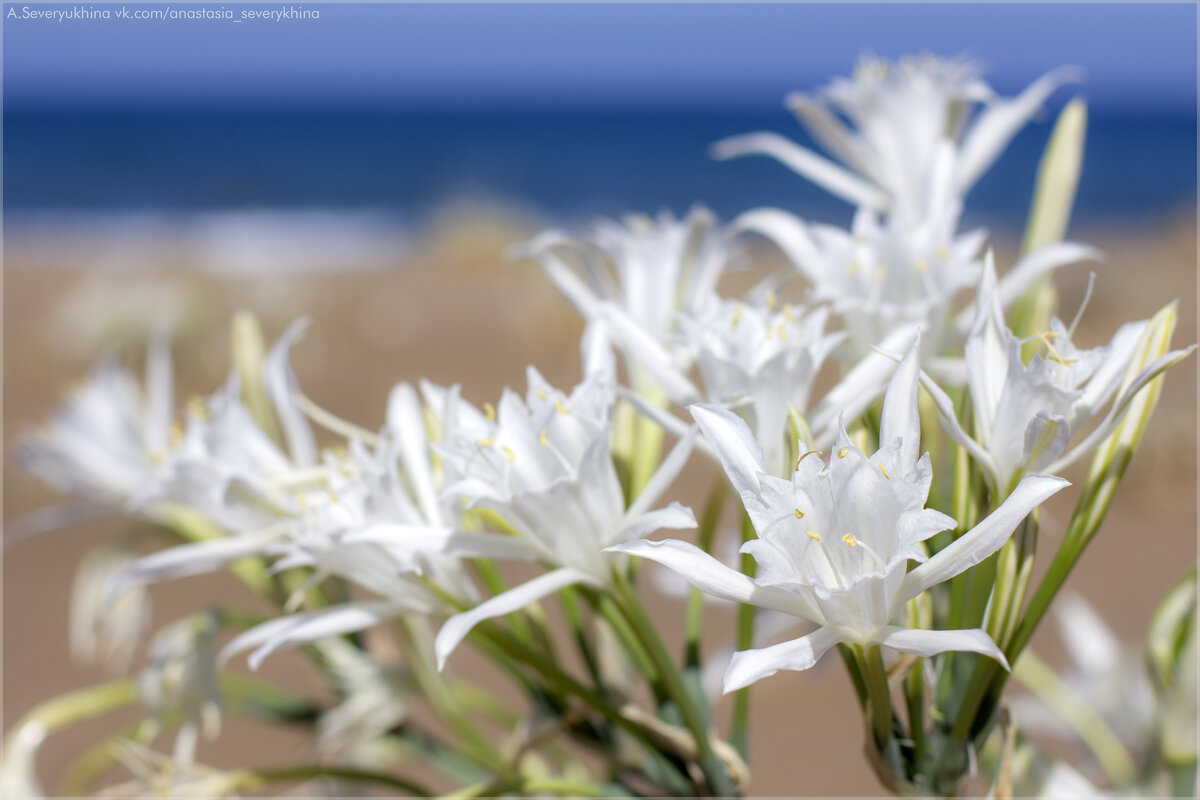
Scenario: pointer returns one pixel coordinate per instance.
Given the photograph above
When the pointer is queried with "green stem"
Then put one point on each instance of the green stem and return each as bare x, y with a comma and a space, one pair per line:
693, 717
256, 779
740, 732
693, 624
878, 695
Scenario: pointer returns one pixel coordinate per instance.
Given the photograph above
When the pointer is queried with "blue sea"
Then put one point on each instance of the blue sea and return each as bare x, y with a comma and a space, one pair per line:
568, 165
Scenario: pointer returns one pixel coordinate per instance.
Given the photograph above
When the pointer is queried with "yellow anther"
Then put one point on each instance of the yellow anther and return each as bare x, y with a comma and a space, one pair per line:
157, 456
508, 451
782, 330
1046, 337
942, 252
346, 469
799, 514
842, 451
196, 407
485, 442
804, 456
772, 300
542, 395
176, 434
489, 411
816, 537
921, 265
854, 268
881, 270
885, 472
737, 316
560, 408
787, 312
850, 540
542, 440
333, 498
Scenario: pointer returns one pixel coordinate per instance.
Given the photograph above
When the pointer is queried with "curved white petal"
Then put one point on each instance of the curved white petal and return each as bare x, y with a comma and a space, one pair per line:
407, 424
928, 643
455, 629
190, 559
1040, 261
900, 418
945, 409
789, 233
642, 348
712, 577
749, 666
997, 125
740, 455
821, 171
981, 541
675, 517
309, 626
281, 384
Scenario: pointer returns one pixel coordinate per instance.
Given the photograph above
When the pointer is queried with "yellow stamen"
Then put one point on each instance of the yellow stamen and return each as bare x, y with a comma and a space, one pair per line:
854, 268
560, 408
881, 271
542, 395
942, 252
737, 316
816, 537
508, 451
302, 502
782, 330
176, 434
921, 265
804, 456
799, 514
485, 442
196, 407
157, 456
842, 451
1046, 337
489, 411
885, 472
787, 312
542, 440
850, 540
772, 300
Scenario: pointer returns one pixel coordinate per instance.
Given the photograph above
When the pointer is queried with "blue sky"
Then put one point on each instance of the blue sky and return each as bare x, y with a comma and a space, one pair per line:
1139, 57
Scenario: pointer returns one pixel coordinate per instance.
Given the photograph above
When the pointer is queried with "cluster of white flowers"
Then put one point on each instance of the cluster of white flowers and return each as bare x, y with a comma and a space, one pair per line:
839, 507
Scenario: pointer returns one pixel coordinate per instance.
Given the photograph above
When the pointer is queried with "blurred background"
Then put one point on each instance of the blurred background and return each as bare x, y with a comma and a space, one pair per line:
369, 165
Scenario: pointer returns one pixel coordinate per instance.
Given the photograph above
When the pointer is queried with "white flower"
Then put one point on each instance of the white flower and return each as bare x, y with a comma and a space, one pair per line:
1025, 414
835, 540
545, 466
101, 631
899, 116
882, 277
753, 359
108, 439
645, 269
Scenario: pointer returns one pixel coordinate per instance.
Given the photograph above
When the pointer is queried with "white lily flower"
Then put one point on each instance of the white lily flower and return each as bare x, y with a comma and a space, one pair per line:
643, 269
835, 540
899, 115
1025, 414
752, 358
545, 465
886, 275
109, 438
377, 523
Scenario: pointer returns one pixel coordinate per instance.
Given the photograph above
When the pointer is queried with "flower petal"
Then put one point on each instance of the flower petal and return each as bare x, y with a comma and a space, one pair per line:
407, 424
665, 475
674, 516
821, 171
900, 419
281, 384
190, 559
309, 626
981, 541
929, 643
455, 629
740, 455
749, 666
712, 577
